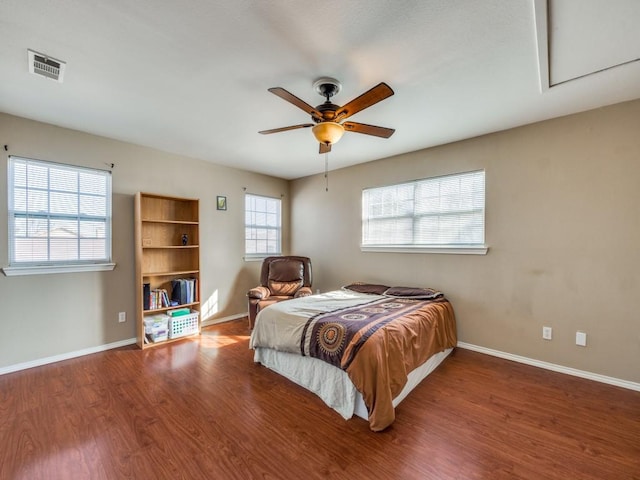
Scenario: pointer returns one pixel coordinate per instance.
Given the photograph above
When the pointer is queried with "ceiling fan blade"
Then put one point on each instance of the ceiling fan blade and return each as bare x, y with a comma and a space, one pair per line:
325, 148
284, 129
368, 98
368, 129
291, 98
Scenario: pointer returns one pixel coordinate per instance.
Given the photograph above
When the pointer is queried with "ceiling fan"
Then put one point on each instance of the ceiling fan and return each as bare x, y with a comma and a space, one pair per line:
328, 118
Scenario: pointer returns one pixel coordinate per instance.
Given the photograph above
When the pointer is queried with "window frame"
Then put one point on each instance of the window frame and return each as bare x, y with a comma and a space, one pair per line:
48, 266
255, 256
449, 248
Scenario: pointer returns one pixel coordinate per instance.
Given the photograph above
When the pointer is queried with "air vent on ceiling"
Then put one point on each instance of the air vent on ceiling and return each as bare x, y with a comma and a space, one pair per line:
45, 66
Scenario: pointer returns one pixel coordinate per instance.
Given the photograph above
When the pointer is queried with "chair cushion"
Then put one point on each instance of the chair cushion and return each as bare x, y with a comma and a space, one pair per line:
284, 288
285, 277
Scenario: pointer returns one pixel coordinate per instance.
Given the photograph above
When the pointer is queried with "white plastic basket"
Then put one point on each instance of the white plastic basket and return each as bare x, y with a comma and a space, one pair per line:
156, 327
183, 325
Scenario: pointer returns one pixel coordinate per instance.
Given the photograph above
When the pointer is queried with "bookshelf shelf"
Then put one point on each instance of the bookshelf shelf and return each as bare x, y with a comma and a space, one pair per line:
167, 256
170, 274
173, 246
169, 222
164, 309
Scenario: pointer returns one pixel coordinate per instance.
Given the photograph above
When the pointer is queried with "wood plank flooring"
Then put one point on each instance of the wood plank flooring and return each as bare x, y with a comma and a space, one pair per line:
201, 409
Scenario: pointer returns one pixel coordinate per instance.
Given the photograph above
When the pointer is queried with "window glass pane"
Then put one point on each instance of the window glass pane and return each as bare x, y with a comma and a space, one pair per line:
391, 231
64, 180
259, 218
63, 249
439, 211
37, 227
262, 225
93, 184
90, 229
64, 203
92, 248
20, 174
63, 228
58, 214
261, 246
20, 227
37, 176
37, 201
20, 200
31, 249
92, 206
271, 220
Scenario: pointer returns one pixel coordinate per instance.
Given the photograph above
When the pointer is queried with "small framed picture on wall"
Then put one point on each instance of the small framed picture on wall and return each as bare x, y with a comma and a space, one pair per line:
221, 202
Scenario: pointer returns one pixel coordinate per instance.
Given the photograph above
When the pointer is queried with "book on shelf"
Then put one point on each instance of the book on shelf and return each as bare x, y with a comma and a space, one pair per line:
157, 298
183, 290
146, 296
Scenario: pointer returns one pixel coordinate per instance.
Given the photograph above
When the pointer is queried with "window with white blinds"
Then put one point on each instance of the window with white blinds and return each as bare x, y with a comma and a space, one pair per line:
262, 226
444, 212
58, 214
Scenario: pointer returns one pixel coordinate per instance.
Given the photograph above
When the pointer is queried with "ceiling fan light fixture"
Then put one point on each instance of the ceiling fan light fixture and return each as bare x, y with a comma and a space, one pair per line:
326, 117
328, 132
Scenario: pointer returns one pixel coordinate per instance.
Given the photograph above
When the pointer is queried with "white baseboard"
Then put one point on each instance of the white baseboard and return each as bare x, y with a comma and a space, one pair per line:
468, 346
552, 366
209, 322
65, 356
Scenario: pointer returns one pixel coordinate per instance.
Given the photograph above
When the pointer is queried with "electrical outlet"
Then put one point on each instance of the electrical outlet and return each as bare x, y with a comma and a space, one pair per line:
122, 317
547, 333
581, 339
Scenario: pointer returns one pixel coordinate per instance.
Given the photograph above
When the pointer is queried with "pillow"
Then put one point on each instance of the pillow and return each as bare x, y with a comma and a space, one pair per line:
413, 292
370, 288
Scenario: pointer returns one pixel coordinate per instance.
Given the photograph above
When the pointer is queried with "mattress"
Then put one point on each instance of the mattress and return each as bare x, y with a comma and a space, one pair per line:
331, 384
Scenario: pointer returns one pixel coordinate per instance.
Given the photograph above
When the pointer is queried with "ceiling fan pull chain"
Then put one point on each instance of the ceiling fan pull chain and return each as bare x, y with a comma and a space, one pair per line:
326, 171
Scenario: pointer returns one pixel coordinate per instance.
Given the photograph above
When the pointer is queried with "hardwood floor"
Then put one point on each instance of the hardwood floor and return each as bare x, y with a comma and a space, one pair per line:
201, 409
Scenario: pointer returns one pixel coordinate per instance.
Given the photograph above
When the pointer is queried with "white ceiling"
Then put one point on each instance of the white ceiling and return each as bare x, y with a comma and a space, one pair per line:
191, 77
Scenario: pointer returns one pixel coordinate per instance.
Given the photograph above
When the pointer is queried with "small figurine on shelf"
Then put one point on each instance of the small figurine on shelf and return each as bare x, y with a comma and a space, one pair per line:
185, 239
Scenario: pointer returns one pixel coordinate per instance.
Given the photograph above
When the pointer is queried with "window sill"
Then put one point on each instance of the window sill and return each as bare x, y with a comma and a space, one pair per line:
45, 269
452, 250
259, 258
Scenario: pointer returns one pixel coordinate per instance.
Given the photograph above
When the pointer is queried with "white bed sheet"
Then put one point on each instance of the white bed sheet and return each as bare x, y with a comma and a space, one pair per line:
333, 385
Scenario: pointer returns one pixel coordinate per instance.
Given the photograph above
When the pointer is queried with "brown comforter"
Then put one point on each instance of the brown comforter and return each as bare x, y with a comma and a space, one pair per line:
379, 343
380, 370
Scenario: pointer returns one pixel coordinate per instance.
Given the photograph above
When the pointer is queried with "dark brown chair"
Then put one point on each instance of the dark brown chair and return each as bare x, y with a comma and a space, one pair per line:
281, 278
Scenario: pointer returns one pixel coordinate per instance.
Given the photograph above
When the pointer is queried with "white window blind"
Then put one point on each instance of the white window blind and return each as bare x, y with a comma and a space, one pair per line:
446, 211
263, 230
58, 214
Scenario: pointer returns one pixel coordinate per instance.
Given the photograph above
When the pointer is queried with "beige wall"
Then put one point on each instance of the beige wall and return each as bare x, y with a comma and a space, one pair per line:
563, 227
47, 315
562, 224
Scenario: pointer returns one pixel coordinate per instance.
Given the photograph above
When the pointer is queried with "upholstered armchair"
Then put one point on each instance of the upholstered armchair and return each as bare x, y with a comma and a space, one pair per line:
281, 278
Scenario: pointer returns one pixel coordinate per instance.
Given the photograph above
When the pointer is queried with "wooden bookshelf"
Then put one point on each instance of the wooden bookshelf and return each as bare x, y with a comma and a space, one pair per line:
163, 255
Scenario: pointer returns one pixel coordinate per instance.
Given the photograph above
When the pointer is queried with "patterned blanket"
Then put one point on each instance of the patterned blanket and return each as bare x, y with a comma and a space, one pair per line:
336, 337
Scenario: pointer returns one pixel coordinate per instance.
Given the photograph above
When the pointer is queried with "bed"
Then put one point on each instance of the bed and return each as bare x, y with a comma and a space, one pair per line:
361, 349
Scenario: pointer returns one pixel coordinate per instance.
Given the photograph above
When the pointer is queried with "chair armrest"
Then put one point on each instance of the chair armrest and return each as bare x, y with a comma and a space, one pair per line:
259, 292
303, 292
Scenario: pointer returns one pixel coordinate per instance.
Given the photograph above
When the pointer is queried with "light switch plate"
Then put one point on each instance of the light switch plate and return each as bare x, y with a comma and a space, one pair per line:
581, 339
